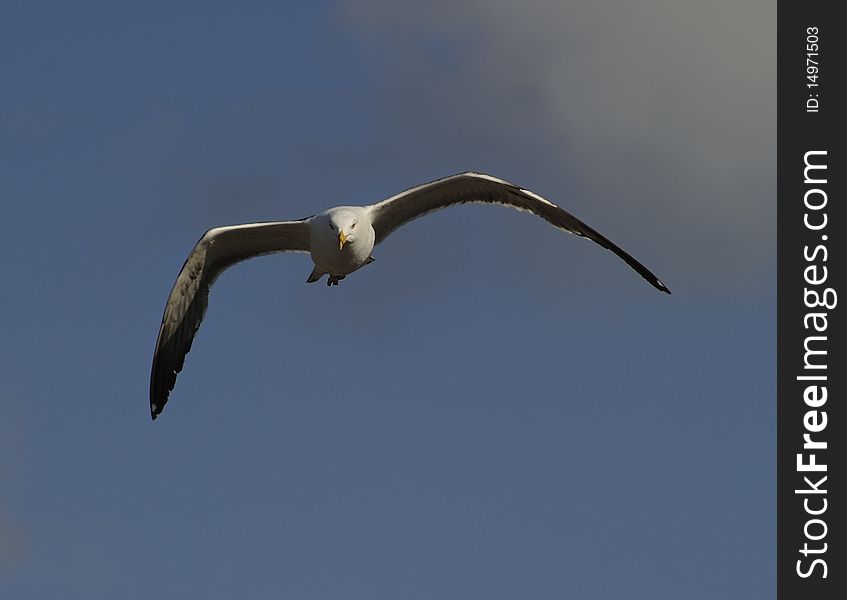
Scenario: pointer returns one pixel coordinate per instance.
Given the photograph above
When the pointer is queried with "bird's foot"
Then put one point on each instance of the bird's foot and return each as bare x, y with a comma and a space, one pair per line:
334, 279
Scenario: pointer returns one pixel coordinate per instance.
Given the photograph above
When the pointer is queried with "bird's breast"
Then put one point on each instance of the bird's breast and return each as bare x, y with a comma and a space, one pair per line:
327, 255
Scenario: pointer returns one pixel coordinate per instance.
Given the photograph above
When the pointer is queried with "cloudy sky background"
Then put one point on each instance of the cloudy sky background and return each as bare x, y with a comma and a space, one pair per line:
527, 417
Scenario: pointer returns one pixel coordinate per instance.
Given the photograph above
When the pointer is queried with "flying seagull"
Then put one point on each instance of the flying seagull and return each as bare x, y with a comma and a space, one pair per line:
340, 241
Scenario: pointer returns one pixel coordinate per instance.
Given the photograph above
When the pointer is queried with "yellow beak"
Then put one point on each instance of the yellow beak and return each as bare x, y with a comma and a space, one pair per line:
341, 239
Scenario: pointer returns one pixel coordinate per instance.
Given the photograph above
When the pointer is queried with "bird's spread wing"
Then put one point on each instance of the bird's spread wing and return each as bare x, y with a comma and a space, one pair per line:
217, 250
388, 215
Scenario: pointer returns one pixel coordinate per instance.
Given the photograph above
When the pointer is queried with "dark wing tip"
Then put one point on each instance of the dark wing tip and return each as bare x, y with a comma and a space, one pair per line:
651, 279
167, 363
163, 375
157, 399
657, 283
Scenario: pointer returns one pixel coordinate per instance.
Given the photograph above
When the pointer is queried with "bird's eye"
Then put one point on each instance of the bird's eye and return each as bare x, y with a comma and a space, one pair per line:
353, 226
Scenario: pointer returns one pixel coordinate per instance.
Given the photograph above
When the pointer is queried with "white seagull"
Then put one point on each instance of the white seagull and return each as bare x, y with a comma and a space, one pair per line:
340, 241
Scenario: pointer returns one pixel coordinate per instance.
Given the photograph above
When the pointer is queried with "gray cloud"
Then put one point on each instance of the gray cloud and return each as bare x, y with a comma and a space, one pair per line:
662, 111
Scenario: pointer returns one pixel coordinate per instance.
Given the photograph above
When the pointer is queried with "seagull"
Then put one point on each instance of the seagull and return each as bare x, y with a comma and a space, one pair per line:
340, 241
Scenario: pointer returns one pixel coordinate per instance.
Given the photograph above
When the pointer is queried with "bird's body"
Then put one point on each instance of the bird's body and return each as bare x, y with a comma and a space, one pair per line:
340, 241
329, 255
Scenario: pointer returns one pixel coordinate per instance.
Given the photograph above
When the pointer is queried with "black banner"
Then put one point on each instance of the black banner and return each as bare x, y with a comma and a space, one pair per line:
812, 220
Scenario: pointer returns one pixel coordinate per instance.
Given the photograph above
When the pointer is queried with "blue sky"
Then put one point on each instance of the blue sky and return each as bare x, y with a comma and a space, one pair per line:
528, 418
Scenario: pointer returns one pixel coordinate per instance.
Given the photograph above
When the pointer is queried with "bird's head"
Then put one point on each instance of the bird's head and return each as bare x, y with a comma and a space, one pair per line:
343, 224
